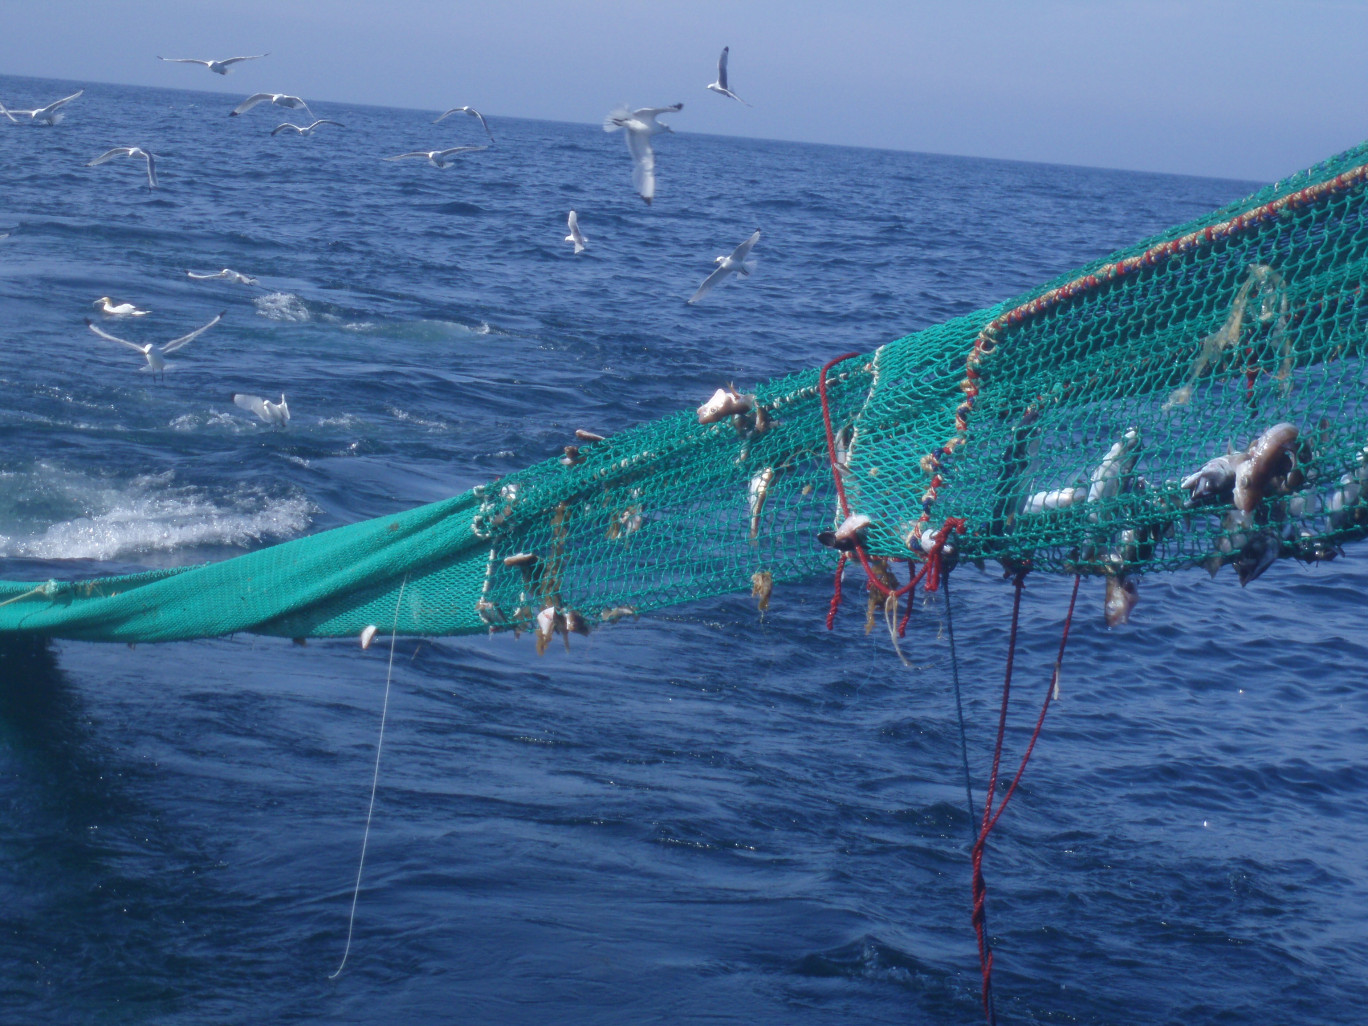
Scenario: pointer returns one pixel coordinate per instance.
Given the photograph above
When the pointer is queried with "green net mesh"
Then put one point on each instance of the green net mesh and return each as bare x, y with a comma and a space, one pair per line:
1195, 400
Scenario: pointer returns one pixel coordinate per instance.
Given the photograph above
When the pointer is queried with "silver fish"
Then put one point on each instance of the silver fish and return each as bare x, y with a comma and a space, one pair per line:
757, 493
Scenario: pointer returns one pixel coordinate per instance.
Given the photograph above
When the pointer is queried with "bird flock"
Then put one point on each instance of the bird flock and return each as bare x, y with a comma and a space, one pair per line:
638, 126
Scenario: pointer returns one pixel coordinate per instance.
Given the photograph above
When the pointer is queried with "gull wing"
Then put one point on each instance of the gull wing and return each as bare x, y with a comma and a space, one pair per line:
43, 112
205, 277
251, 102
151, 169
5, 111
708, 283
643, 166
176, 343
280, 128
483, 124
235, 60
325, 121
418, 153
739, 253
444, 154
251, 403
104, 334
722, 67
184, 60
646, 113
117, 151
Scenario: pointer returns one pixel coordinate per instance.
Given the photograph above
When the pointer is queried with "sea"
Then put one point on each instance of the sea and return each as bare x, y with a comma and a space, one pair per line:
704, 816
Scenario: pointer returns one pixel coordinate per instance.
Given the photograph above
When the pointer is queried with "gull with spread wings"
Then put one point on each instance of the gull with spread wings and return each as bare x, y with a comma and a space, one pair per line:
304, 129
474, 114
720, 86
640, 125
439, 158
156, 364
131, 151
49, 115
217, 67
726, 265
279, 99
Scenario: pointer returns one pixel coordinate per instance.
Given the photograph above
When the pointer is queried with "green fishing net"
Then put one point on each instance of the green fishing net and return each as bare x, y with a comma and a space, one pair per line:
1194, 401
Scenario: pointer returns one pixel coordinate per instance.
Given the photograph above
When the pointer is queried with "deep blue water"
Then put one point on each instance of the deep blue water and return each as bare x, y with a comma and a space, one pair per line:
699, 817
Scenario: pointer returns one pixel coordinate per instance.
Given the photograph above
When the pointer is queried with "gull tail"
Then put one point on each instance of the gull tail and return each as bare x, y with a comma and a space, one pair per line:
612, 122
745, 269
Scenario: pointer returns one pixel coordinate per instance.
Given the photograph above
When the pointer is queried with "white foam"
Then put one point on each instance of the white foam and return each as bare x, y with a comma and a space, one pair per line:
282, 306
150, 513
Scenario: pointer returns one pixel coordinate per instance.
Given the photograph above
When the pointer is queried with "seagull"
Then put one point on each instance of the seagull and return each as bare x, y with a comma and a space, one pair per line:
155, 364
576, 236
279, 99
107, 306
641, 124
306, 129
131, 151
271, 413
474, 114
217, 67
720, 86
48, 115
439, 158
234, 276
727, 264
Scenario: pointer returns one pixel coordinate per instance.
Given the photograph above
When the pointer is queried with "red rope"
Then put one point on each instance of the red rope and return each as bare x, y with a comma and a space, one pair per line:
931, 569
990, 817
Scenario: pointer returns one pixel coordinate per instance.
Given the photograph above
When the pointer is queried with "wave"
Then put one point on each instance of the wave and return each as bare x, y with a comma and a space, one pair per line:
282, 306
150, 513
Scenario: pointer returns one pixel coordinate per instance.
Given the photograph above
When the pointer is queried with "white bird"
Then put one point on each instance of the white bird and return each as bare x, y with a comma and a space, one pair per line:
640, 125
108, 306
272, 413
279, 99
474, 114
217, 67
727, 264
576, 236
154, 355
131, 151
48, 115
720, 86
305, 129
439, 158
236, 277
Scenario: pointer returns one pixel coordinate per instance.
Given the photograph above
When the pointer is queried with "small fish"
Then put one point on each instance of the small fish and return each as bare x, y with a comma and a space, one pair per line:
1257, 555
491, 614
1215, 481
587, 436
846, 537
1122, 595
1060, 498
1271, 460
367, 636
1235, 526
574, 622
617, 613
762, 584
757, 493
1110, 476
725, 402
572, 457
547, 624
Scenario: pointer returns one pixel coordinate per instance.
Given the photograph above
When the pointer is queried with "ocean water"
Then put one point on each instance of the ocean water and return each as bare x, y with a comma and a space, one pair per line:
699, 817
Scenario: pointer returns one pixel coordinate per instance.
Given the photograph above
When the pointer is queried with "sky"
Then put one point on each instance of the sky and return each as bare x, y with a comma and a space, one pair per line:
1246, 89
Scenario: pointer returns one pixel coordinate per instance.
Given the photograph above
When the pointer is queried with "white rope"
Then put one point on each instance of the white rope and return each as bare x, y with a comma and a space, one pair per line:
375, 780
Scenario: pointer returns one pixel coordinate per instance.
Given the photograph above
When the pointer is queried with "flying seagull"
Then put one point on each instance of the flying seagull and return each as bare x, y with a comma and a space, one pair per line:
474, 114
108, 306
236, 277
640, 125
279, 99
131, 151
576, 236
155, 364
48, 115
271, 413
720, 86
305, 129
217, 67
439, 158
727, 264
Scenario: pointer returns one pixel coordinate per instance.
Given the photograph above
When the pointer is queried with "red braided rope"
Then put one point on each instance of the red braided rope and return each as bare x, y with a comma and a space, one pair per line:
990, 817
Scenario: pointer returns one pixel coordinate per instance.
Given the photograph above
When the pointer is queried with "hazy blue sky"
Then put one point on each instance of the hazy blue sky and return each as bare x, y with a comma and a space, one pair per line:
1239, 88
